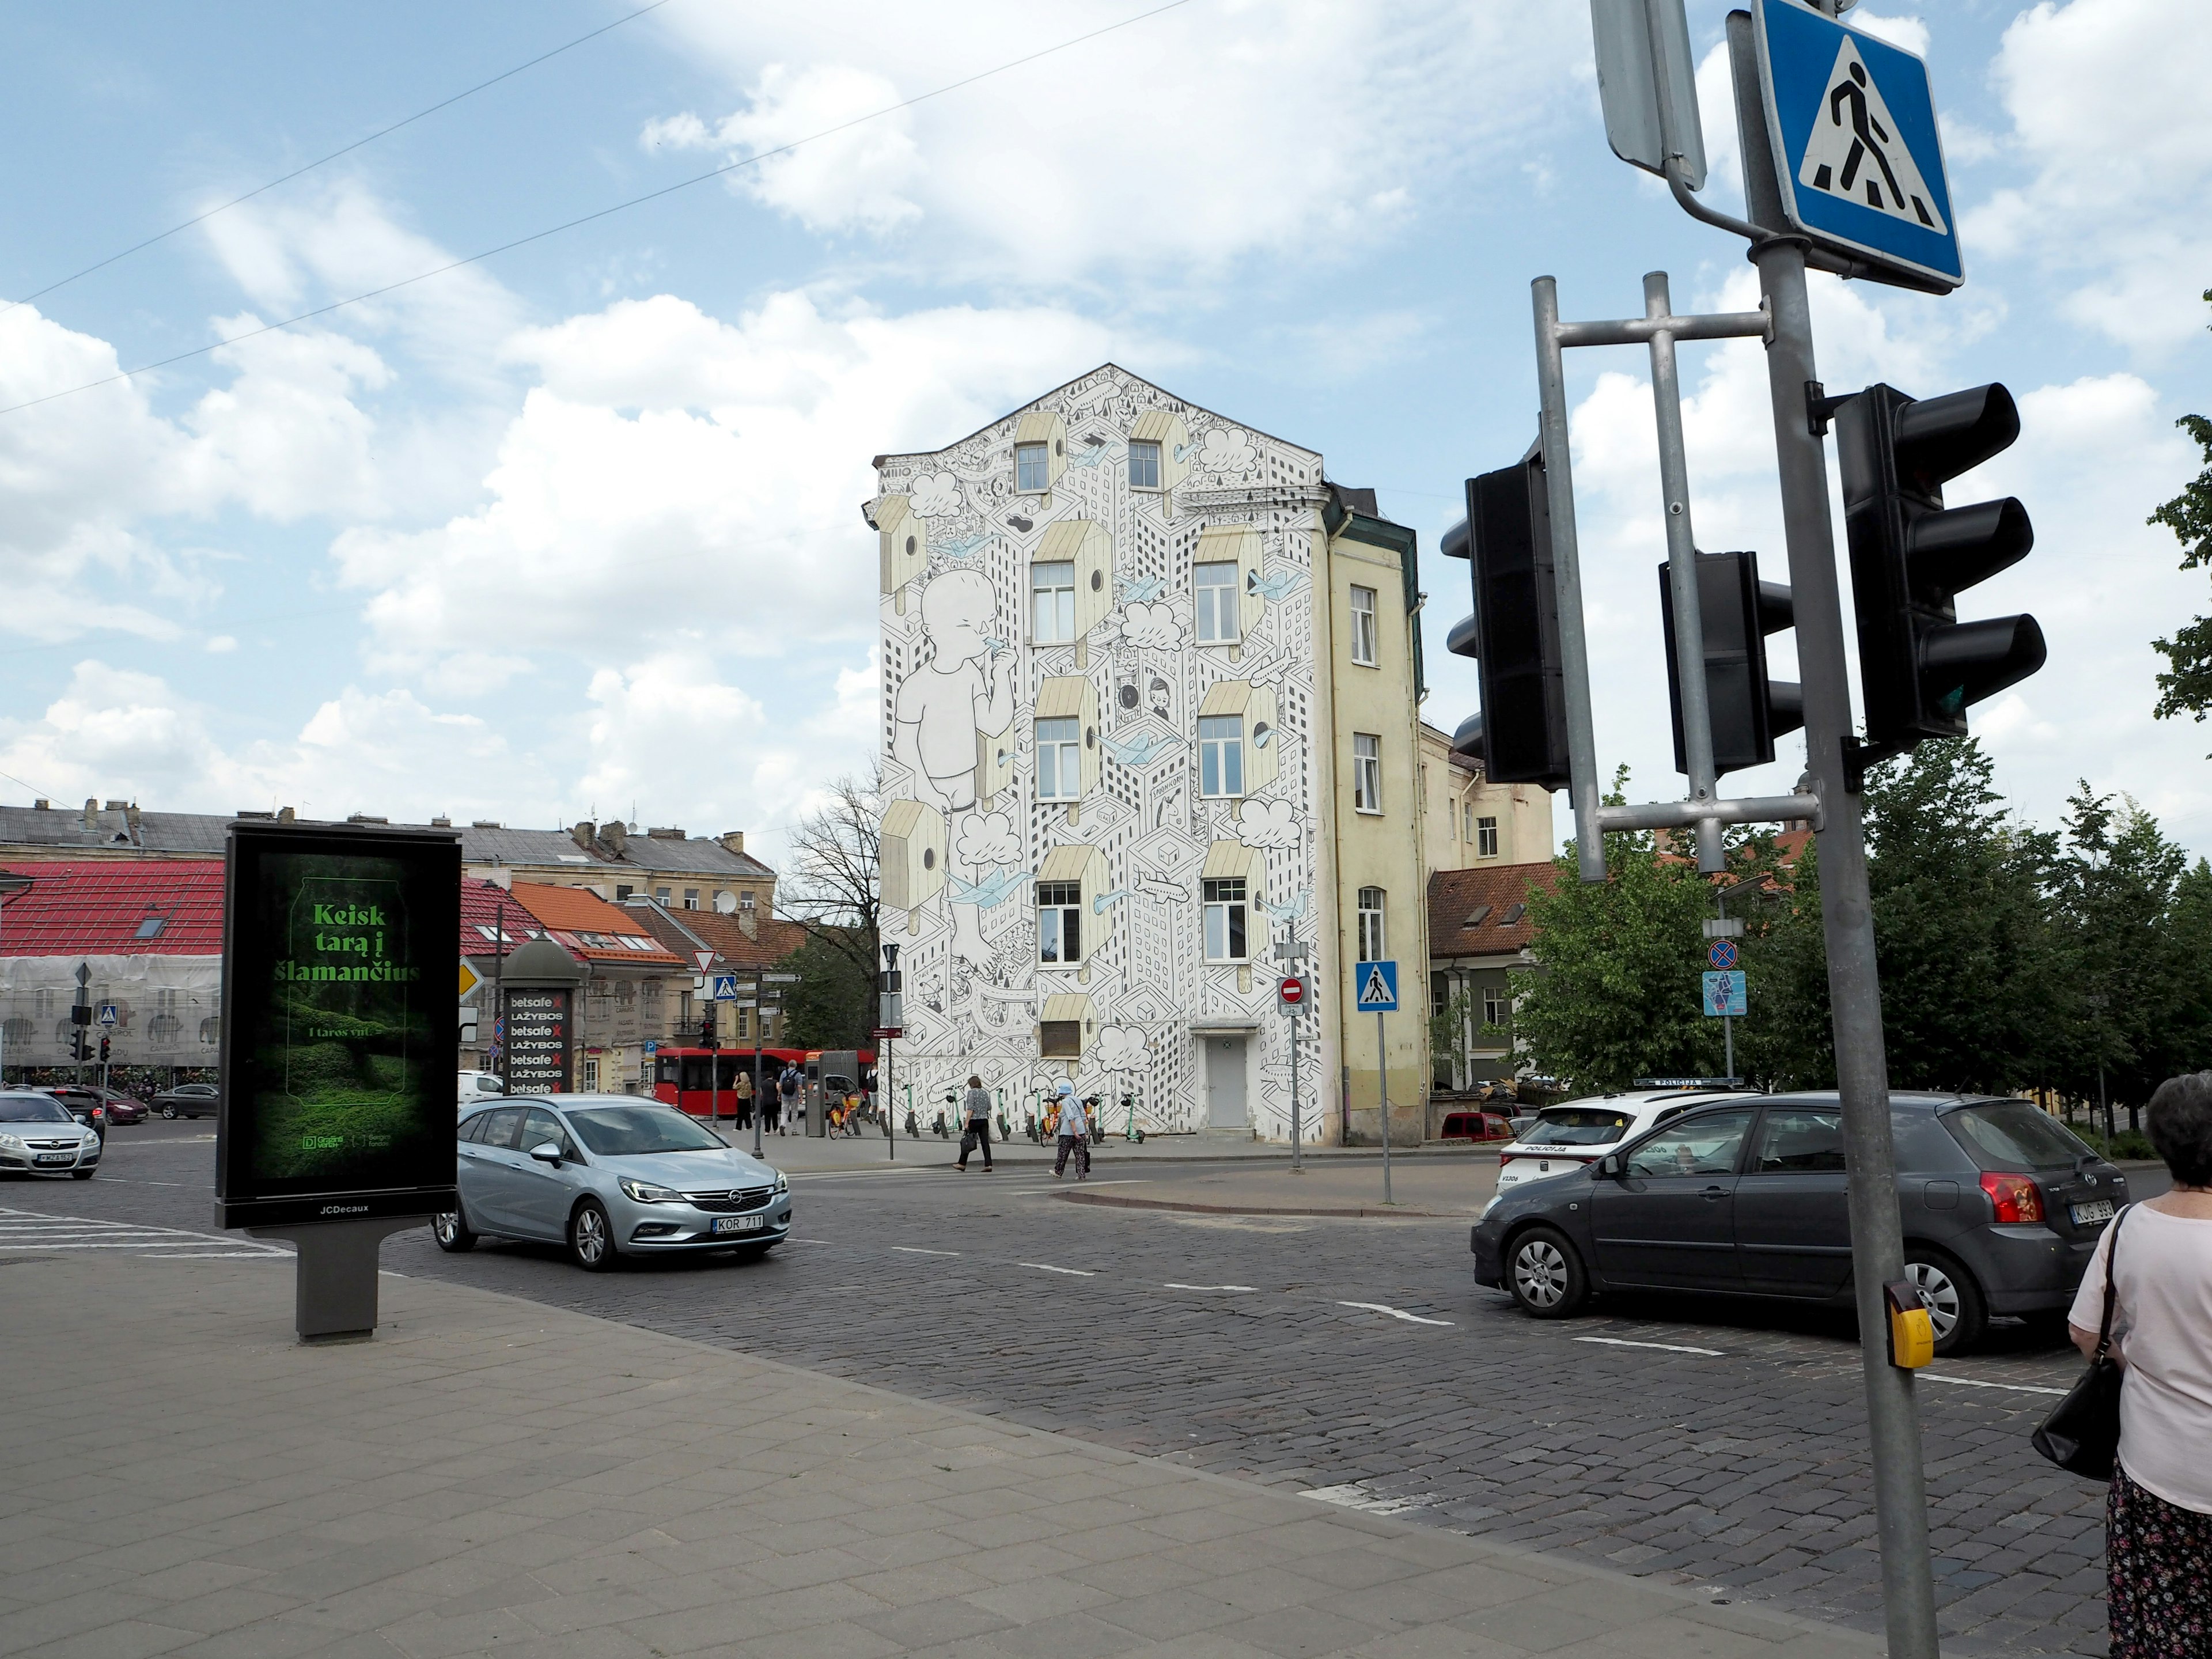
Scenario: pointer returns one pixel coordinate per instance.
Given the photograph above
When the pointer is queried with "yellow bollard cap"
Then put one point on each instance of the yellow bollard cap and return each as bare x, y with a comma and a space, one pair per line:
1911, 1330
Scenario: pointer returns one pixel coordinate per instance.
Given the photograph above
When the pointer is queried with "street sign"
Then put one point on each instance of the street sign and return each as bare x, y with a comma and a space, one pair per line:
1292, 992
1723, 927
1721, 953
779, 979
1631, 93
1857, 154
726, 987
1377, 983
885, 1033
107, 1015
1724, 994
468, 980
650, 1048
704, 959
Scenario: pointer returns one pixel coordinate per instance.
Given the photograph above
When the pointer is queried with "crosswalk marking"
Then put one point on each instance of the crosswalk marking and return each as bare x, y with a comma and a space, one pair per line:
30, 1229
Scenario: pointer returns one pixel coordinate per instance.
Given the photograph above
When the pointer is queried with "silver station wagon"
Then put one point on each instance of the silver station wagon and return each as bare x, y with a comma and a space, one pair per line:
609, 1176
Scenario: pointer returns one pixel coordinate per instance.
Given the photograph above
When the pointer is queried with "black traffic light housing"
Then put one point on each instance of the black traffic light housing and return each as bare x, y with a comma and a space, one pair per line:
103, 1051
1920, 667
706, 1027
1736, 611
1521, 734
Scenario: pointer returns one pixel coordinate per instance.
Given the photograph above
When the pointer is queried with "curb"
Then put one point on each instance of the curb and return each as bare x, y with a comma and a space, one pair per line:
1114, 1201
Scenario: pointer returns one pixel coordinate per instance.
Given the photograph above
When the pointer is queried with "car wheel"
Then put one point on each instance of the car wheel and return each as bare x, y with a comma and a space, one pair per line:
452, 1231
1545, 1274
169, 1111
592, 1237
1956, 1306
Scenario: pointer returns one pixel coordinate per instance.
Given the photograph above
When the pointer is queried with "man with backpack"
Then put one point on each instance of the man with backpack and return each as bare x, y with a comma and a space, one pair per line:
787, 1090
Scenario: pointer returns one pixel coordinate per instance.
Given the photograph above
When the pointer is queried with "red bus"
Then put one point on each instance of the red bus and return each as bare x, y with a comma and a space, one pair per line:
682, 1077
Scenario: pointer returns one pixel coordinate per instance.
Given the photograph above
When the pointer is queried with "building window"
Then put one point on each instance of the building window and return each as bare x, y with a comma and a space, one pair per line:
1467, 823
1371, 942
1052, 604
1221, 757
1225, 919
591, 1077
1439, 994
690, 898
745, 1024
1485, 838
623, 893
1059, 1039
1032, 468
683, 1015
1213, 588
1366, 772
660, 894
1059, 922
1363, 626
1060, 760
1496, 1005
211, 1030
745, 901
1143, 465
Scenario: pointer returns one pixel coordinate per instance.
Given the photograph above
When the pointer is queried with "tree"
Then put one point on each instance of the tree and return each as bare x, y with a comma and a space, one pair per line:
2186, 687
834, 1003
830, 885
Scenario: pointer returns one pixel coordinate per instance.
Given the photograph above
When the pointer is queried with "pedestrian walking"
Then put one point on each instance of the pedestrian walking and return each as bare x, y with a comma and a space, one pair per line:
2158, 1514
787, 1107
744, 1100
977, 1104
1074, 1135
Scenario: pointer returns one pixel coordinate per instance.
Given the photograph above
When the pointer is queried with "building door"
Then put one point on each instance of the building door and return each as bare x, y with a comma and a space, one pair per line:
1225, 1083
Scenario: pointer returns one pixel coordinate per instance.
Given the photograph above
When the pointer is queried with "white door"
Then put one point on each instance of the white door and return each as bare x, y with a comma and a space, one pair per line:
1225, 1083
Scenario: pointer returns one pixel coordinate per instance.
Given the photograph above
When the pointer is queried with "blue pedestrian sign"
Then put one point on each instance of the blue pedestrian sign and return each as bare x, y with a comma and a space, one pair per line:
1724, 994
1377, 984
1857, 154
107, 1015
1721, 953
726, 987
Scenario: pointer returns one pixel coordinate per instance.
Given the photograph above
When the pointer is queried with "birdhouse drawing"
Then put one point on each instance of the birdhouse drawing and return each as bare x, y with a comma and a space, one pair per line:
995, 764
1071, 583
1253, 706
912, 856
1066, 1024
1040, 454
1238, 545
1160, 449
1067, 739
904, 545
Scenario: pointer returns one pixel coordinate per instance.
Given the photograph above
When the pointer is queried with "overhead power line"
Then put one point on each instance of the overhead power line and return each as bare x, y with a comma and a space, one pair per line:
296, 173
754, 160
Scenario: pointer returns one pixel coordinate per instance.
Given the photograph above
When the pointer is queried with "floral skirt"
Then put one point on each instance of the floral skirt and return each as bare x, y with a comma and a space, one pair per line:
2159, 1590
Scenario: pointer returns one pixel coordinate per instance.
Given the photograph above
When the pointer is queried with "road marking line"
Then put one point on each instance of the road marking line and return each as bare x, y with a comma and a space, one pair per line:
35, 1230
1976, 1382
1666, 1347
1394, 1313
1216, 1287
1047, 1267
916, 1249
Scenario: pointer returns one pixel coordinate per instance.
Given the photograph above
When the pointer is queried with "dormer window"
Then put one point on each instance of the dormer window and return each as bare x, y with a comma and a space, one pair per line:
1144, 464
1032, 468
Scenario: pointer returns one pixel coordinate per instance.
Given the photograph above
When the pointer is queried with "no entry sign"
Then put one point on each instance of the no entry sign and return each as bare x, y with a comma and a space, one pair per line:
1292, 991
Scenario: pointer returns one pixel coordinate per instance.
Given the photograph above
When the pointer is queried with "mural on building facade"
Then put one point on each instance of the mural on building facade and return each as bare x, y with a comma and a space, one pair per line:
1083, 743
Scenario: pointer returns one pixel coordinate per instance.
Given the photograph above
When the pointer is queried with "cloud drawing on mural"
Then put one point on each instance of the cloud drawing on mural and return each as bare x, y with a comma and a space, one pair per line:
1268, 824
1152, 626
1224, 451
934, 494
1123, 1048
988, 838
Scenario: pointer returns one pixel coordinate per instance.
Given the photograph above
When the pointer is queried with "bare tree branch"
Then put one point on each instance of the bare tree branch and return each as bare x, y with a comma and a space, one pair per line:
831, 887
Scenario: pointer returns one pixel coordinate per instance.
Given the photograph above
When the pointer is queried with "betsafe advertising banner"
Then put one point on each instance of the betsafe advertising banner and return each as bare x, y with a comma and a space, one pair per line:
340, 1027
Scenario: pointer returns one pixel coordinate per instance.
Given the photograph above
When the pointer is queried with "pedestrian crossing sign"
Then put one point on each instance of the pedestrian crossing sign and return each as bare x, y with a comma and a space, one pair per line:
1856, 152
1377, 983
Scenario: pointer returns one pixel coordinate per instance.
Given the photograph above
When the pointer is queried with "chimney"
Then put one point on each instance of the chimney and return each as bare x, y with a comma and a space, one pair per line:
286, 815
734, 840
748, 920
501, 876
613, 837
582, 834
92, 812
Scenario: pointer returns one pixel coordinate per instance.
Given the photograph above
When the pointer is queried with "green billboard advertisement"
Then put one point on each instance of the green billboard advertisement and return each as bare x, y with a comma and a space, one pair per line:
340, 1023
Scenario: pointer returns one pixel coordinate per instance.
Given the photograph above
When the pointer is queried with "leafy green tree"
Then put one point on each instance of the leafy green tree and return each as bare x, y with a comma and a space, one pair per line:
2185, 688
833, 1004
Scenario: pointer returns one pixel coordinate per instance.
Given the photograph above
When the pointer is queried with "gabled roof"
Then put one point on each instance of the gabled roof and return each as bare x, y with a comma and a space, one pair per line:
685, 930
1483, 912
112, 908
487, 908
588, 927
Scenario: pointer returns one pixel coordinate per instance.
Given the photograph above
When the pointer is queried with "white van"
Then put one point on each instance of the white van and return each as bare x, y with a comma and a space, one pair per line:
475, 1086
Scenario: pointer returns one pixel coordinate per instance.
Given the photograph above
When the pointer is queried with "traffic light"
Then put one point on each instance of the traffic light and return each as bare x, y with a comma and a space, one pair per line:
1919, 666
1521, 734
1736, 611
103, 1051
706, 1027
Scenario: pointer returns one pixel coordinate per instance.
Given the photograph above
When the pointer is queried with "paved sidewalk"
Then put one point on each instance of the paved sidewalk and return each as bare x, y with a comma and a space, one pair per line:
801, 1152
491, 1476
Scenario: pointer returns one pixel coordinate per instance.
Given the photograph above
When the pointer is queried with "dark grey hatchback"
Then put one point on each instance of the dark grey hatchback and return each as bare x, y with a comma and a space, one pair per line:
2001, 1209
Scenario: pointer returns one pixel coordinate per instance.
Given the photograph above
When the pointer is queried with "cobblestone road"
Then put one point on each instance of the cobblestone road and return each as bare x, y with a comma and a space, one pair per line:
1668, 1439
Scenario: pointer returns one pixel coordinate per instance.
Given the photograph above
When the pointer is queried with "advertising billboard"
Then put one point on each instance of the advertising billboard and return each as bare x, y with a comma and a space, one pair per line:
339, 1026
538, 1040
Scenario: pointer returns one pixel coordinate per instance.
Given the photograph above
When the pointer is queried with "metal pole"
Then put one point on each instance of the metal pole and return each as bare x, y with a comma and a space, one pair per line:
1382, 1079
1298, 1159
760, 1031
885, 1095
1682, 572
1566, 572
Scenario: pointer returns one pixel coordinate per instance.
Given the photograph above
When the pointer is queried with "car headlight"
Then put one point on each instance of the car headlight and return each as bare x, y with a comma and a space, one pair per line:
645, 1193
782, 1182
13, 1143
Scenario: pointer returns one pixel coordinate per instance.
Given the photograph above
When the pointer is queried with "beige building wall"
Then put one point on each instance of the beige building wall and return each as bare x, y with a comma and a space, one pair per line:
1461, 814
1378, 847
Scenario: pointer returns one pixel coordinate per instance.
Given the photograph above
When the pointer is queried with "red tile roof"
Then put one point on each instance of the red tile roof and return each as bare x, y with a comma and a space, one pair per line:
485, 907
589, 926
109, 909
732, 946
1467, 909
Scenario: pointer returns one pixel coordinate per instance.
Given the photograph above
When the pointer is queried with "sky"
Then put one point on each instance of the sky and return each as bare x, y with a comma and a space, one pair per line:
574, 531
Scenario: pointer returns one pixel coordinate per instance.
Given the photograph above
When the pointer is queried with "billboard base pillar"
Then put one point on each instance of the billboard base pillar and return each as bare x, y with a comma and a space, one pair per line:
334, 1274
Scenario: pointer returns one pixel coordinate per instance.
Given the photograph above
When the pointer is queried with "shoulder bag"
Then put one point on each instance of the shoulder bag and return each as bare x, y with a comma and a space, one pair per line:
2083, 1433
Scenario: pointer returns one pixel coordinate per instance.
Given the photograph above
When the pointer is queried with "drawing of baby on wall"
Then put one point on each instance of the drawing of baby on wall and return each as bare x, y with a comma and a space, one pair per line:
942, 708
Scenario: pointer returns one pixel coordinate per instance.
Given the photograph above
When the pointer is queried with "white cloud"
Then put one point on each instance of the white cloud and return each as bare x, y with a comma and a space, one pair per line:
1182, 142
1123, 1048
1152, 626
988, 838
1268, 824
935, 494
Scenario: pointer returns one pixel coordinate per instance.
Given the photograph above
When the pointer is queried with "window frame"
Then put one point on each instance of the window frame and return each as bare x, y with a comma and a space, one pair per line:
1497, 1007
1221, 751
1042, 452
1059, 1039
1373, 911
1235, 918
1066, 758
1063, 604
1367, 774
1063, 901
1224, 611
1158, 468
1363, 630
1485, 838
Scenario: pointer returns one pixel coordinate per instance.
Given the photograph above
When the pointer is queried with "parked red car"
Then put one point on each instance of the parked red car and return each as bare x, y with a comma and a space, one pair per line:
1475, 1125
115, 1106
